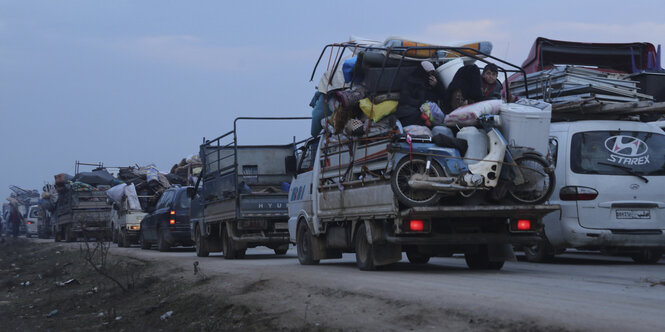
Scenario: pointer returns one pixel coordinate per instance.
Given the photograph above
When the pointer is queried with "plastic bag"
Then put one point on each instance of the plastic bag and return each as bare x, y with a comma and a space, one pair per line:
378, 111
432, 114
116, 192
132, 197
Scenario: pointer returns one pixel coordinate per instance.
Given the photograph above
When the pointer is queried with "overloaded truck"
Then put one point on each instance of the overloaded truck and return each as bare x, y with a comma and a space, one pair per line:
378, 190
81, 209
81, 212
243, 191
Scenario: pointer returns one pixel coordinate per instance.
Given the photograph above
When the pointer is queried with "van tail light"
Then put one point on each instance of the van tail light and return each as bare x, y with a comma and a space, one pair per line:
29, 222
172, 221
577, 193
417, 225
523, 224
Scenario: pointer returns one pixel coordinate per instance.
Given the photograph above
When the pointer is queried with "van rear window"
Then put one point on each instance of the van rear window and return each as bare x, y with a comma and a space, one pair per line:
618, 153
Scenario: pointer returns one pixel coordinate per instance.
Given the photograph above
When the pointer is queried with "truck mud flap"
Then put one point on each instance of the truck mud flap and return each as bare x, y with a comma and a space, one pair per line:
384, 252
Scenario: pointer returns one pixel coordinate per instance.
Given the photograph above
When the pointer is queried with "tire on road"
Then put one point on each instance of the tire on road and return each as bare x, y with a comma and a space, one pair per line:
162, 245
144, 244
201, 244
364, 250
304, 245
229, 247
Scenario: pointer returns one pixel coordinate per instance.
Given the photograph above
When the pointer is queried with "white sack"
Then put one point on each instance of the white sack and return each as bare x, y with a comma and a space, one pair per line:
116, 192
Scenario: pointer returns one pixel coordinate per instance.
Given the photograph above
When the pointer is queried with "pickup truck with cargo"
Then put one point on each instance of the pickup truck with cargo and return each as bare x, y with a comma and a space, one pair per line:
241, 188
385, 192
82, 209
81, 213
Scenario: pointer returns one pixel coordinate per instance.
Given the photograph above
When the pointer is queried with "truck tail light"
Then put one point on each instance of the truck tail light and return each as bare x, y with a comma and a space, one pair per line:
29, 222
172, 221
577, 193
172, 212
417, 225
523, 224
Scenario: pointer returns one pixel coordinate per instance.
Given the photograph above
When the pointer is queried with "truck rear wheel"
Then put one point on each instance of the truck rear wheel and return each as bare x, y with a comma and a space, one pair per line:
304, 245
399, 181
478, 259
364, 251
201, 244
229, 248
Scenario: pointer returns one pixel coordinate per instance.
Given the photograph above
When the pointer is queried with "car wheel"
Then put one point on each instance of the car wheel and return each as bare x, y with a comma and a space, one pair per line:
143, 242
162, 245
304, 245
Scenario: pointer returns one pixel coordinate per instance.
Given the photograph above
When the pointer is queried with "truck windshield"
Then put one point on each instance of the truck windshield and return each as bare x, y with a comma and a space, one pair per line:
618, 153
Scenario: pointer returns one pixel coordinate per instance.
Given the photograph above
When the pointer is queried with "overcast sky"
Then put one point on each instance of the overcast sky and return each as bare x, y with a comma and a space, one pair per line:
138, 82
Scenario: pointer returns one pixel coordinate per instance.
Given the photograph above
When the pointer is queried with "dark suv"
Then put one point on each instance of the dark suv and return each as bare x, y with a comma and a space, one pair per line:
168, 225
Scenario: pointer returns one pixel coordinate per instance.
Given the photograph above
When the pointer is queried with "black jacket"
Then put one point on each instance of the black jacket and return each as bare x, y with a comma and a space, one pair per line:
413, 93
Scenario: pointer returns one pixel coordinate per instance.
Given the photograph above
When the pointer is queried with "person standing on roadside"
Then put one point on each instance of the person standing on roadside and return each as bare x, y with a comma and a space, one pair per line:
15, 219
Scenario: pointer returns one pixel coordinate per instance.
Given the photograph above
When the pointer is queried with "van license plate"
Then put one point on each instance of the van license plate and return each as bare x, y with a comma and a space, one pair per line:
633, 214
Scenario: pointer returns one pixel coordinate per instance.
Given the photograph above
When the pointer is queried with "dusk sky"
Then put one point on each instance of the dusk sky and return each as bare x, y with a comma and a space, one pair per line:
139, 82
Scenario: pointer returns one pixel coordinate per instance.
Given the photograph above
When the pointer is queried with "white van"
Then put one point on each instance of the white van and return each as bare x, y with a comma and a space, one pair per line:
31, 221
611, 187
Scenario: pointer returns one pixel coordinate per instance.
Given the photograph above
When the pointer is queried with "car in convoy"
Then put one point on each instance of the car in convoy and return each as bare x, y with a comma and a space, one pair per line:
168, 225
610, 178
31, 221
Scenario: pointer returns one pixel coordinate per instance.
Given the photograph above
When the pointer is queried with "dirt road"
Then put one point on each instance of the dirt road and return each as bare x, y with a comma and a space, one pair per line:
577, 292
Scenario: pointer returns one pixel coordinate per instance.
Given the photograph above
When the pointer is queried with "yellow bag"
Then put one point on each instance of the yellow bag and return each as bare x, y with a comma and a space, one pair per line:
379, 111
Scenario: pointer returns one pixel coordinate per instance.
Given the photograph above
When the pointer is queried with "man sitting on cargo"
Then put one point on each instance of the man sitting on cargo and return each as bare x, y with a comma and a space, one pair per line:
422, 86
491, 87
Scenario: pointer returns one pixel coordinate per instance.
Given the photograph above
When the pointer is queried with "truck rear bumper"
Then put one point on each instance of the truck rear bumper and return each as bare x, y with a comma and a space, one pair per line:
459, 239
263, 240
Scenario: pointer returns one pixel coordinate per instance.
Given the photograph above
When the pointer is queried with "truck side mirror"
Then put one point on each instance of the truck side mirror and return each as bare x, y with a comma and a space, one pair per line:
290, 165
191, 192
